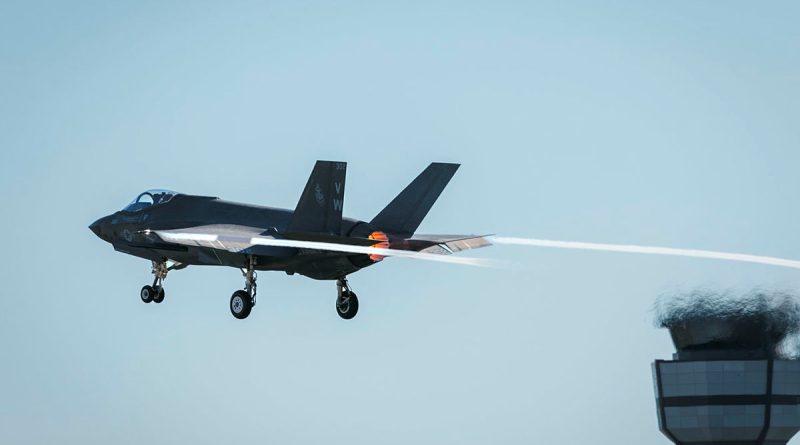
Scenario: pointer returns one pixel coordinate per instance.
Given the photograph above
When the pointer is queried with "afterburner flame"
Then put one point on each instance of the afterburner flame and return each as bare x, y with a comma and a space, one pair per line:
383, 244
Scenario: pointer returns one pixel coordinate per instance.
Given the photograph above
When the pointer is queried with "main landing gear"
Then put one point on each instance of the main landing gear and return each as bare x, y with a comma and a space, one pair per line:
346, 300
242, 301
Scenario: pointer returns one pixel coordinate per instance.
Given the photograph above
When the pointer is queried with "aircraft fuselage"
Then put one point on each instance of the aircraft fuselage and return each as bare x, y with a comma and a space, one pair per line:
131, 232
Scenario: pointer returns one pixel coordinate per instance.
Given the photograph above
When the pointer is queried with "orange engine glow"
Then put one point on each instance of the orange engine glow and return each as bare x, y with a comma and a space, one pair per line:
383, 243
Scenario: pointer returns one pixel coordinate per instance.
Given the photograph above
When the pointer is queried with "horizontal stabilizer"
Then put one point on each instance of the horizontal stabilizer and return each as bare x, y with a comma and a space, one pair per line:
447, 244
319, 209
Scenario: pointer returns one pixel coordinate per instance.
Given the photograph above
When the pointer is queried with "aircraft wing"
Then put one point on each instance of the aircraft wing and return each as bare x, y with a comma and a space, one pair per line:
231, 238
241, 239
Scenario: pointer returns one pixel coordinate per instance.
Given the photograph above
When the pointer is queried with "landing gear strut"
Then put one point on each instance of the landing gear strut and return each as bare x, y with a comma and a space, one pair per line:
155, 293
242, 301
346, 300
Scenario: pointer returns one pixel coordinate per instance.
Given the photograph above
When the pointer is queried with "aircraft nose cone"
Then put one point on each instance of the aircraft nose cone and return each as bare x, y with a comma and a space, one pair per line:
96, 227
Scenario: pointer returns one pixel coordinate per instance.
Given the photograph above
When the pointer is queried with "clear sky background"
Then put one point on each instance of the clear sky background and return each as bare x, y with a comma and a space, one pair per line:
648, 122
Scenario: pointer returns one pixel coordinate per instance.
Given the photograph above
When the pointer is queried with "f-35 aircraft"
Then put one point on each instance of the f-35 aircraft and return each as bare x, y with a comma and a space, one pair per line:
313, 240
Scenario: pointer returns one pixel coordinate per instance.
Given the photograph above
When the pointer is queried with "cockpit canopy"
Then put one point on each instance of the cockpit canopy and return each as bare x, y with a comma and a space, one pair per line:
149, 198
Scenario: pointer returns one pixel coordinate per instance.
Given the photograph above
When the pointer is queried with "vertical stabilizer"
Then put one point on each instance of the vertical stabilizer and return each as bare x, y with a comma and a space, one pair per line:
320, 207
405, 213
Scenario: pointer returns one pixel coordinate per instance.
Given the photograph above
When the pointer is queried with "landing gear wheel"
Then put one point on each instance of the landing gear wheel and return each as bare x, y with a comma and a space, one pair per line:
347, 307
155, 292
159, 295
241, 304
147, 293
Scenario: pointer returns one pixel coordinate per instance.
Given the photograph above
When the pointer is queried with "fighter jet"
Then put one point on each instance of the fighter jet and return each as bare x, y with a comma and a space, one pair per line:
175, 230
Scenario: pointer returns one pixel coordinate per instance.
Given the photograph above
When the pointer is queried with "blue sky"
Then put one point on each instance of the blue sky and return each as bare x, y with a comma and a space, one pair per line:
661, 123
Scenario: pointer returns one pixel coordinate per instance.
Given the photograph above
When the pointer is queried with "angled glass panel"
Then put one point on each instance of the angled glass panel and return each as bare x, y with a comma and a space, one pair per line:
149, 198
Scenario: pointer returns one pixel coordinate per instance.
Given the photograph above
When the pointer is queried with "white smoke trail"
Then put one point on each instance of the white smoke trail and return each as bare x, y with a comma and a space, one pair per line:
237, 242
315, 245
628, 248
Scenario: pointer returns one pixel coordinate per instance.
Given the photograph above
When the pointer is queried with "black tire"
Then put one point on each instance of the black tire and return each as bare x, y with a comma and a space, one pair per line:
159, 296
147, 293
349, 309
241, 304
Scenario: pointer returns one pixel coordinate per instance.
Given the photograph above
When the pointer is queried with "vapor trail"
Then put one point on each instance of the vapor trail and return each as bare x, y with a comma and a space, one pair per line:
628, 248
236, 243
264, 241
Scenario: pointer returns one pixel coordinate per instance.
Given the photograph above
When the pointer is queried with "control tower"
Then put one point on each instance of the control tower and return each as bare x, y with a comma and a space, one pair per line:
727, 383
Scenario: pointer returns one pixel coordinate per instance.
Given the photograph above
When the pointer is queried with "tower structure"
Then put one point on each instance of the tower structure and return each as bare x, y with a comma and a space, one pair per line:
727, 384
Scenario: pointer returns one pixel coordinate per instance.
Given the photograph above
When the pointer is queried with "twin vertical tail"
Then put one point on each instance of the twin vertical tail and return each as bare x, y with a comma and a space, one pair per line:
319, 209
405, 213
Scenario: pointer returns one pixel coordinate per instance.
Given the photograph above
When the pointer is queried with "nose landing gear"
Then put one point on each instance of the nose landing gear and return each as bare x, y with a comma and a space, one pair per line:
155, 293
346, 300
